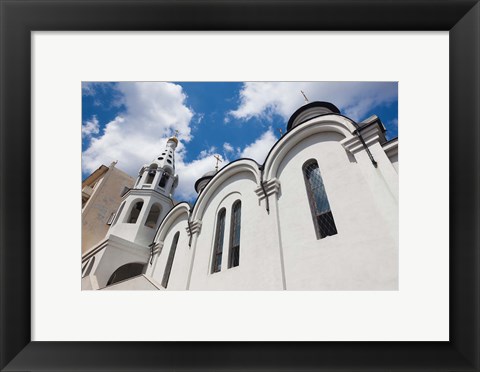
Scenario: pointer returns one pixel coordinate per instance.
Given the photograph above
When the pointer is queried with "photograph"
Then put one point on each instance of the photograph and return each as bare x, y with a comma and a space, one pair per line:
240, 186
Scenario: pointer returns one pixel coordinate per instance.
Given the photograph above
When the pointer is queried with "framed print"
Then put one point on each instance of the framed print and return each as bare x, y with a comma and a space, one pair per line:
450, 158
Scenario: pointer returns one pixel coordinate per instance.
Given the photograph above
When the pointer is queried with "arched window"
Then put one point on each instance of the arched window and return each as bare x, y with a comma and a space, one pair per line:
218, 245
135, 212
171, 255
118, 214
234, 256
86, 270
125, 272
153, 215
163, 180
150, 177
321, 213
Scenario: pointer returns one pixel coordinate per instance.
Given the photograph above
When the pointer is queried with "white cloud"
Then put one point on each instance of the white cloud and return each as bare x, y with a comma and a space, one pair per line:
227, 147
189, 173
153, 112
90, 127
88, 88
200, 117
354, 99
259, 149
210, 151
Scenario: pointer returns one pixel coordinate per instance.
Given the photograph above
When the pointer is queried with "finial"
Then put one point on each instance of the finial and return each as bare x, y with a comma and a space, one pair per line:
281, 131
176, 133
304, 96
218, 160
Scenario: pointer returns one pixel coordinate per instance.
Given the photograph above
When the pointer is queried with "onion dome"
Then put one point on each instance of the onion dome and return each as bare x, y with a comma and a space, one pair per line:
309, 111
173, 139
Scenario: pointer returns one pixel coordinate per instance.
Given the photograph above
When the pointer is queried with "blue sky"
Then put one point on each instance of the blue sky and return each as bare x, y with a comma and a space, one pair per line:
130, 121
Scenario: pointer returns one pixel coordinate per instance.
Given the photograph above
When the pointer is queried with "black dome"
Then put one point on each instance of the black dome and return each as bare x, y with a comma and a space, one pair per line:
310, 111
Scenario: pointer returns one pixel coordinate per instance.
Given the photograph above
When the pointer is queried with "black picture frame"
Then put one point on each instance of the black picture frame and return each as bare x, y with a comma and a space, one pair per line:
18, 18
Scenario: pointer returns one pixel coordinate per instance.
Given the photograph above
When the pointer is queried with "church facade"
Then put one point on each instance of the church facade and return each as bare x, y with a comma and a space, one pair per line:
321, 213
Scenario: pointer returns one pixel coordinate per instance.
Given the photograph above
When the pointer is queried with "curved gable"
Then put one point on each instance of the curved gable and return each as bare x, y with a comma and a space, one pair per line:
233, 168
324, 124
180, 209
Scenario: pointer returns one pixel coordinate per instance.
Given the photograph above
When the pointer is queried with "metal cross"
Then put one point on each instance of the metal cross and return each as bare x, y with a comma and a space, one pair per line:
176, 133
218, 160
304, 96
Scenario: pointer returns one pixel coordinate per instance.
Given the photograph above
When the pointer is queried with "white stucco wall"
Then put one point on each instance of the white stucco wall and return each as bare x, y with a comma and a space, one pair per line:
182, 258
259, 266
138, 232
364, 254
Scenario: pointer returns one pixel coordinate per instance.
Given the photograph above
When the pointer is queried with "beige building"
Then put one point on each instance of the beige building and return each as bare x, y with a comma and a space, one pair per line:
102, 193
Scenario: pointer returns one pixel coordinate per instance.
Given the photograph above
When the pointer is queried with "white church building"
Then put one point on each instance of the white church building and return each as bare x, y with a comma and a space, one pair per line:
321, 213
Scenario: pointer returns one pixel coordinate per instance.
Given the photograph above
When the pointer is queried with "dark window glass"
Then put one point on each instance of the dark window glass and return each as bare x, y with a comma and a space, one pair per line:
171, 255
218, 246
234, 257
169, 161
320, 207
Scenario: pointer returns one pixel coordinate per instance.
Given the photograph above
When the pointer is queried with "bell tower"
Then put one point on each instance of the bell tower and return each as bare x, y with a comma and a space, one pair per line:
146, 204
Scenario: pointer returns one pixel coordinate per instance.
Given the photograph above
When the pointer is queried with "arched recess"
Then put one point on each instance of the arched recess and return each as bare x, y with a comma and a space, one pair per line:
324, 124
181, 209
236, 167
134, 212
125, 272
153, 216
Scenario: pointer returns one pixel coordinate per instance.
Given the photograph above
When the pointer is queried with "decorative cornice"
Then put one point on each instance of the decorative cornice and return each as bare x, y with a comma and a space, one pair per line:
371, 135
157, 248
146, 192
391, 147
271, 187
195, 227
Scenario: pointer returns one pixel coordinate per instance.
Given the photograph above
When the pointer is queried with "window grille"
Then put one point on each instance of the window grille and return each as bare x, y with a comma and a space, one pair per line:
171, 255
320, 207
218, 247
234, 257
